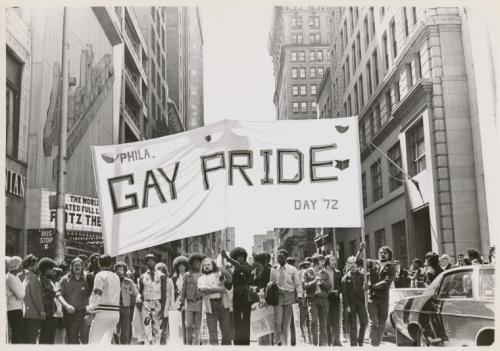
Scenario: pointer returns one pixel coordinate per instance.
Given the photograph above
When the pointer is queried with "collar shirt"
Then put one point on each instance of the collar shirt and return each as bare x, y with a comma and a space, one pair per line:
128, 289
15, 292
381, 275
109, 284
287, 278
74, 291
151, 282
212, 281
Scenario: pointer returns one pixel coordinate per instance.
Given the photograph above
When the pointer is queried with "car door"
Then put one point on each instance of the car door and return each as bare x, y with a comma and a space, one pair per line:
455, 308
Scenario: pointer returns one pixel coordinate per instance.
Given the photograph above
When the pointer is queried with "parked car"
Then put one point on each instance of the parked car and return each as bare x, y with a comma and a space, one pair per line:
457, 309
395, 295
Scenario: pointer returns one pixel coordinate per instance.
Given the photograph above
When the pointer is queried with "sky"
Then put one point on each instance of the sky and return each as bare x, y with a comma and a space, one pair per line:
238, 72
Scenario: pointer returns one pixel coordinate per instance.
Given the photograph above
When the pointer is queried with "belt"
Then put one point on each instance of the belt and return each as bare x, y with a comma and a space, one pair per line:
195, 299
216, 299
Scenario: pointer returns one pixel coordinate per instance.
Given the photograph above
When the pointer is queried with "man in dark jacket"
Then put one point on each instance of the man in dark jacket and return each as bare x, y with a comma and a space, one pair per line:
354, 299
381, 273
48, 328
333, 320
34, 308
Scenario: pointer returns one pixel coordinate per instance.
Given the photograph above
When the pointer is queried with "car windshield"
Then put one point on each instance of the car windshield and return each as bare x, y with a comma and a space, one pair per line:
434, 285
487, 284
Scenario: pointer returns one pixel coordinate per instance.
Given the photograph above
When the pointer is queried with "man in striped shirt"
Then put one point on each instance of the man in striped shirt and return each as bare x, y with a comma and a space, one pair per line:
104, 303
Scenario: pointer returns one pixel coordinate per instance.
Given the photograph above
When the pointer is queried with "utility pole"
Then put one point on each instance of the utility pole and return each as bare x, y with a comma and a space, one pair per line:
61, 157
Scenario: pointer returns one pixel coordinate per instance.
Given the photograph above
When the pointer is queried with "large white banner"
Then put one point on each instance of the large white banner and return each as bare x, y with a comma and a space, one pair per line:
303, 173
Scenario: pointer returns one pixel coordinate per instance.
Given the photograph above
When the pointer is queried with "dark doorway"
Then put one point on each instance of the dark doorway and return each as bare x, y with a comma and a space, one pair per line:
422, 237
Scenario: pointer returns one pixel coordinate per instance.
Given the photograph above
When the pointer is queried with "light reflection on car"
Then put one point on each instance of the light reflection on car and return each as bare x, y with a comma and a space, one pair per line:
457, 309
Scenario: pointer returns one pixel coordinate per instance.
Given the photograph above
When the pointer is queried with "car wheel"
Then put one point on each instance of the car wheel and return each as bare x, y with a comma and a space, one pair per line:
421, 340
401, 339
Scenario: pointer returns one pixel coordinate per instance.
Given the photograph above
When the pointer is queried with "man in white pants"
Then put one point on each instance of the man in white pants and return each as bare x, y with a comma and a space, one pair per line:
104, 303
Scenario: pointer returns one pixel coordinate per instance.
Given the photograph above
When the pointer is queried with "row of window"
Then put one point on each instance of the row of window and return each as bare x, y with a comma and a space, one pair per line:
415, 143
314, 38
412, 71
296, 22
303, 106
314, 72
300, 56
302, 89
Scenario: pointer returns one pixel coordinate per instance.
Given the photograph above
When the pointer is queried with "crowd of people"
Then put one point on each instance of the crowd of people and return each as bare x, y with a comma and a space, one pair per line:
95, 300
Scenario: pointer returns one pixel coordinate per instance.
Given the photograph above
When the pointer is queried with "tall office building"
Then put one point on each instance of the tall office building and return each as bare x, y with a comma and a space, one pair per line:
404, 72
185, 64
298, 44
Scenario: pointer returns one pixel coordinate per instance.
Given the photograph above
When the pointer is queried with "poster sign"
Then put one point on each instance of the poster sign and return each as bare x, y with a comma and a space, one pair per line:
294, 173
261, 320
82, 212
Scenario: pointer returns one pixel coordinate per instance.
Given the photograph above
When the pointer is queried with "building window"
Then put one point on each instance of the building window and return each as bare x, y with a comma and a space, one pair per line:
405, 22
319, 55
397, 94
295, 107
312, 56
313, 89
153, 105
153, 72
416, 148
302, 72
303, 107
375, 68
409, 76
344, 76
388, 103
353, 247
372, 20
386, 52
361, 95
366, 124
312, 72
378, 119
414, 15
418, 65
294, 56
362, 134
297, 39
369, 77
295, 90
303, 90
367, 241
367, 34
321, 72
296, 22
358, 44
313, 106
356, 98
376, 175
400, 243
395, 175
302, 56
294, 73
351, 17
394, 40
353, 55
314, 22
14, 70
314, 38
363, 189
379, 238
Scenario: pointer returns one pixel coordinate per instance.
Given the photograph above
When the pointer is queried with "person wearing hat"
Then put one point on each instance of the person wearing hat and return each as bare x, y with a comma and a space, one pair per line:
241, 277
104, 303
15, 293
33, 304
190, 300
48, 327
152, 287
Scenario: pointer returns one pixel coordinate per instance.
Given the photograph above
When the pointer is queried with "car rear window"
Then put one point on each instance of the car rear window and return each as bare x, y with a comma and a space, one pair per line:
487, 284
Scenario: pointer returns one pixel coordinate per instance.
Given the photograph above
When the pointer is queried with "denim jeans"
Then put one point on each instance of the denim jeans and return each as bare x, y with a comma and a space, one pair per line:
193, 327
333, 323
73, 323
318, 311
282, 317
378, 310
220, 314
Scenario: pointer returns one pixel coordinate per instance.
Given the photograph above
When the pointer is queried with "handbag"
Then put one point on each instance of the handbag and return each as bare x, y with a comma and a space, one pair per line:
252, 297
